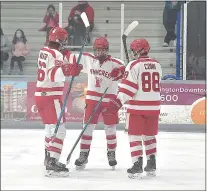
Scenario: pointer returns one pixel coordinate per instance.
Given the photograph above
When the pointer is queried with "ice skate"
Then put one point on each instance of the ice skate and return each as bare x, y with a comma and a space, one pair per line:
150, 168
82, 160
55, 168
111, 155
136, 170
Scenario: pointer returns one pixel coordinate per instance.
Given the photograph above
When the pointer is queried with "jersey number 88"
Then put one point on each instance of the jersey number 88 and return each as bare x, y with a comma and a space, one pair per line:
150, 81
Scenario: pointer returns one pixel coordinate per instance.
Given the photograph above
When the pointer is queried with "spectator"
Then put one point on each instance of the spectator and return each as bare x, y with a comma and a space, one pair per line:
51, 19
76, 27
169, 20
5, 49
19, 50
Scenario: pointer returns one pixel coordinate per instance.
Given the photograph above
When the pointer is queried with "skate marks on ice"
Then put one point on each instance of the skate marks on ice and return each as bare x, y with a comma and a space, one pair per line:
180, 163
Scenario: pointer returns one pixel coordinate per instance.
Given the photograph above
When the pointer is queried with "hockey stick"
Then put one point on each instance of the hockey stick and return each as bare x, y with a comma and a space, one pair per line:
85, 126
87, 25
127, 31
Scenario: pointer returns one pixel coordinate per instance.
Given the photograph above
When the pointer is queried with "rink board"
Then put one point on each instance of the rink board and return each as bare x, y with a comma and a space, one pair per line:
182, 102
180, 163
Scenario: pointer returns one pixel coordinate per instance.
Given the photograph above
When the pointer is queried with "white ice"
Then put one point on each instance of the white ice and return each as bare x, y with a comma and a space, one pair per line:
180, 163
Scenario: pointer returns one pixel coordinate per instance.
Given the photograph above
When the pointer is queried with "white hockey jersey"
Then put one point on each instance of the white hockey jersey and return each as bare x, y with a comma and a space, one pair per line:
99, 77
50, 77
140, 86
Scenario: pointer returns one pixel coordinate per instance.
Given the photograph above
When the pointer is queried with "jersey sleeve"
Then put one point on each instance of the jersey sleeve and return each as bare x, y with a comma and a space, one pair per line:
129, 84
83, 61
55, 73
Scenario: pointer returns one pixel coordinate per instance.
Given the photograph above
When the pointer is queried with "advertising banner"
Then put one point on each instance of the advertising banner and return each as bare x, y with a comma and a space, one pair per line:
13, 100
181, 103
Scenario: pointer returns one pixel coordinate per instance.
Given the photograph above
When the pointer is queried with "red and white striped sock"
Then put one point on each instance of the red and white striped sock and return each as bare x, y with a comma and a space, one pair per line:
150, 143
47, 140
135, 142
86, 138
110, 131
54, 147
85, 143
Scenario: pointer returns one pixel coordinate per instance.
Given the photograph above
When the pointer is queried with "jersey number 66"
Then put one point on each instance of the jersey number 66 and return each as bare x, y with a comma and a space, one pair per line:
41, 71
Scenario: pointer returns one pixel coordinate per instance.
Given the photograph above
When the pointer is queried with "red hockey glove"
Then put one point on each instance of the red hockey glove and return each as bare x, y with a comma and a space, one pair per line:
117, 73
113, 106
72, 69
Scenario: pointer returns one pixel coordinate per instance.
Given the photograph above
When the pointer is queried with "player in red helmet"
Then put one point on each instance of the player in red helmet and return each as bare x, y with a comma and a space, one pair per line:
140, 89
101, 48
48, 96
139, 47
103, 72
58, 35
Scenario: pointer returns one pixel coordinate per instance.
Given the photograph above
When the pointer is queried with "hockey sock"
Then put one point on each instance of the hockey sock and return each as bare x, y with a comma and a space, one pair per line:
110, 131
47, 136
54, 147
150, 145
47, 140
135, 142
86, 138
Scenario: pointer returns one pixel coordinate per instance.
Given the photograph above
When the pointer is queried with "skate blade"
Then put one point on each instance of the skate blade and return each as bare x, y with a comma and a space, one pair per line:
135, 176
53, 174
151, 173
80, 167
113, 168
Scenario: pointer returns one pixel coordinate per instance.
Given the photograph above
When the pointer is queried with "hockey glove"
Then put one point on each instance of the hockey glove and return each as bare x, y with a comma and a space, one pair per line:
117, 73
72, 69
113, 106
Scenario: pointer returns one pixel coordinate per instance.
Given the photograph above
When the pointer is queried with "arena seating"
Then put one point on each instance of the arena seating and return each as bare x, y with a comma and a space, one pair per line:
28, 16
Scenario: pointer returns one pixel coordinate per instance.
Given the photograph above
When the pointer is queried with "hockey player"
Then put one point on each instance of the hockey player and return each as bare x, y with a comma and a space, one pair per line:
48, 97
140, 87
103, 71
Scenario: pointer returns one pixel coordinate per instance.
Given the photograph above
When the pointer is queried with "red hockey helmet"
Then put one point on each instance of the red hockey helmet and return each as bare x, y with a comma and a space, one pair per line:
140, 47
101, 47
59, 35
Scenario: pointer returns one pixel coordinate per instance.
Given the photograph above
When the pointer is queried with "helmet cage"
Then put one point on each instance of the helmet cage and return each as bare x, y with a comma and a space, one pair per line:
101, 52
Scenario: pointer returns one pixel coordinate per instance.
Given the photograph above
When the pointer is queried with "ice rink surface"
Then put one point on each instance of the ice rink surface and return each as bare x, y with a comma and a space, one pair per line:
180, 163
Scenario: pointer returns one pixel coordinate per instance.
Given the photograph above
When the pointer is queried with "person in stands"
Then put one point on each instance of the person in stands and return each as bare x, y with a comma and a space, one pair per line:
51, 20
19, 50
76, 27
5, 49
169, 20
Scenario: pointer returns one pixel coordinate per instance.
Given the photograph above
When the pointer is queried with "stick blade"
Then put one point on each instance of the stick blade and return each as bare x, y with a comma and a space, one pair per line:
130, 28
85, 19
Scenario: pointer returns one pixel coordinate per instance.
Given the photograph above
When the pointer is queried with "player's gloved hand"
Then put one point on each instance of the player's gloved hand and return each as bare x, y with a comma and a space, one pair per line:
72, 69
113, 106
117, 73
